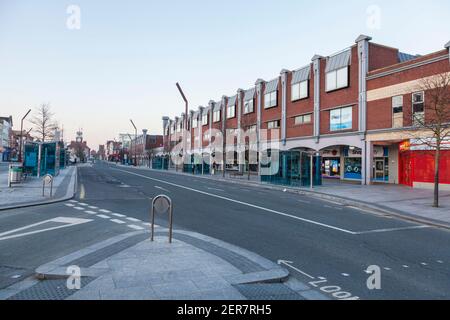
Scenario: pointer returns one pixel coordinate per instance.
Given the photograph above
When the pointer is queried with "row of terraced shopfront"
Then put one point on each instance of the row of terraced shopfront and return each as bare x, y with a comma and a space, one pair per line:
350, 115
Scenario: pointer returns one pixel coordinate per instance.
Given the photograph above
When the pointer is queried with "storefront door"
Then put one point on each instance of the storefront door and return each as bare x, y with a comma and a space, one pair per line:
379, 170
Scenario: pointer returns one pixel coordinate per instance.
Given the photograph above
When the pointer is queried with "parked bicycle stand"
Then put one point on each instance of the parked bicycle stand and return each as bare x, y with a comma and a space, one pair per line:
162, 204
47, 180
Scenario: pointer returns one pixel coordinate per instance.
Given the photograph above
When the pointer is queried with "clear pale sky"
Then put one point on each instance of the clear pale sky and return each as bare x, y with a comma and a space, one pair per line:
125, 59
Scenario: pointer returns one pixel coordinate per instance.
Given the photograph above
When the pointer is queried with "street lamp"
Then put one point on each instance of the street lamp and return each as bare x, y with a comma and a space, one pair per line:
21, 135
185, 120
135, 142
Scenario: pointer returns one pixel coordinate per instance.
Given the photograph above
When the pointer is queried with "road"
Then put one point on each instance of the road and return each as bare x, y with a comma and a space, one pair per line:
327, 245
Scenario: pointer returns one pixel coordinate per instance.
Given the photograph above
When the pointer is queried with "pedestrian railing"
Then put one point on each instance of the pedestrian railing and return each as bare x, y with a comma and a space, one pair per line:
47, 180
162, 204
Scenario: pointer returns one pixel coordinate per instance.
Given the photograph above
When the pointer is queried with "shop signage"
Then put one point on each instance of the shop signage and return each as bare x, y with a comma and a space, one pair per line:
405, 146
355, 153
331, 153
378, 151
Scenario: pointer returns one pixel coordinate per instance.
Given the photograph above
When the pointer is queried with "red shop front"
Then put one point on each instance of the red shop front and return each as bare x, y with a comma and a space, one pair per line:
416, 165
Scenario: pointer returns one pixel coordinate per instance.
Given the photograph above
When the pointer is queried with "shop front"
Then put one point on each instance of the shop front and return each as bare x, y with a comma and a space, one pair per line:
352, 163
380, 170
331, 163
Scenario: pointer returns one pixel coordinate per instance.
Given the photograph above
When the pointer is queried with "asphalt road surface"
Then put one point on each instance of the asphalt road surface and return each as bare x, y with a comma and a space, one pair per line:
325, 244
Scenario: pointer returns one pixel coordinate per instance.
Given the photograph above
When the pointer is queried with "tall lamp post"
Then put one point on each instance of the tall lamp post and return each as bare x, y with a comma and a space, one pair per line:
21, 135
135, 142
185, 120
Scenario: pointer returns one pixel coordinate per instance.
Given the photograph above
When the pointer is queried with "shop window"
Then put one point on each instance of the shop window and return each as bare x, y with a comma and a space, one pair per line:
248, 106
299, 91
304, 119
337, 79
397, 112
270, 100
418, 108
341, 119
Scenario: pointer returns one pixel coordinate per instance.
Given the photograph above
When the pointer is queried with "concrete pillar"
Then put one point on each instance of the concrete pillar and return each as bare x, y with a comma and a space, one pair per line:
366, 163
241, 153
259, 90
316, 71
363, 56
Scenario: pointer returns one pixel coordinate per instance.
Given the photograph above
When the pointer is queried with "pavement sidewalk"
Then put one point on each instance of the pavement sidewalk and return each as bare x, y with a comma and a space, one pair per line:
387, 199
29, 193
193, 267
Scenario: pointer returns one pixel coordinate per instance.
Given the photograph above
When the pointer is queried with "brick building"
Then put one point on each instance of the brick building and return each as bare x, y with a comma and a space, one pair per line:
351, 111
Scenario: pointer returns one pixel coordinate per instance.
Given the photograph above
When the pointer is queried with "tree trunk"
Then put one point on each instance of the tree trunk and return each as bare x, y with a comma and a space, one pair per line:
436, 175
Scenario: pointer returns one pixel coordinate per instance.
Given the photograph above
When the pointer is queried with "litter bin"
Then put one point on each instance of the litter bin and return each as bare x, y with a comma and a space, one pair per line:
15, 174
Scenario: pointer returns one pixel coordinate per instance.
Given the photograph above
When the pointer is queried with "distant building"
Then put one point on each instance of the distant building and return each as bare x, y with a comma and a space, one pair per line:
15, 142
144, 147
101, 154
6, 124
78, 149
113, 150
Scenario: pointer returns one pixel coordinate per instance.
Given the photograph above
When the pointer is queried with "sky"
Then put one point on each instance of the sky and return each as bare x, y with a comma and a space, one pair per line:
101, 63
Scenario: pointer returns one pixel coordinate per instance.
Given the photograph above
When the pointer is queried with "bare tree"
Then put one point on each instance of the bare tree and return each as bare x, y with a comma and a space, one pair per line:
435, 119
43, 122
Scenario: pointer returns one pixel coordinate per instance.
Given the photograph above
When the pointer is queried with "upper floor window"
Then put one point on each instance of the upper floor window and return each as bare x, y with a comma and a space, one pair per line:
397, 112
194, 123
252, 128
270, 99
205, 119
273, 124
304, 119
337, 79
299, 91
418, 108
216, 116
341, 119
248, 106
231, 111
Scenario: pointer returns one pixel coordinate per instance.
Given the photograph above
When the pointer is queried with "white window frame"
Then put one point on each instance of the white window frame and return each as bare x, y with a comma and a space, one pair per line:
415, 114
340, 110
300, 90
232, 114
216, 116
271, 99
301, 119
247, 105
270, 124
205, 119
333, 82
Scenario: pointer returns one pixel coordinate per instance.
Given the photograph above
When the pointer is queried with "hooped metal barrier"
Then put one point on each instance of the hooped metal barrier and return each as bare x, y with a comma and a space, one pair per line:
47, 179
162, 204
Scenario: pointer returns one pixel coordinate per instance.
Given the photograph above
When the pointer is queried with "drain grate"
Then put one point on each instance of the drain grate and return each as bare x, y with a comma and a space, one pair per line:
49, 290
268, 291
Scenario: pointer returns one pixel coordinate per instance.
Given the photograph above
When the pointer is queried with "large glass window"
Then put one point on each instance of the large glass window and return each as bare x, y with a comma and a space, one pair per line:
231, 111
270, 99
337, 79
397, 112
248, 106
273, 124
341, 119
299, 91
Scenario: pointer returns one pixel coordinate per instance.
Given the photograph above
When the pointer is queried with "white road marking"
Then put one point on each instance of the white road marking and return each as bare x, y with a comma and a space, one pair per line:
73, 201
67, 222
92, 207
392, 229
82, 192
424, 264
242, 203
215, 189
119, 215
345, 274
289, 264
330, 201
83, 204
132, 226
440, 261
405, 266
387, 269
161, 188
103, 216
70, 205
304, 201
133, 219
118, 221
90, 212
79, 208
104, 211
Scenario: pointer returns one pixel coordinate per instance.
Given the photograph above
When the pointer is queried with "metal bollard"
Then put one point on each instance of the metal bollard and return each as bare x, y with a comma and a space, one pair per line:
48, 179
162, 204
